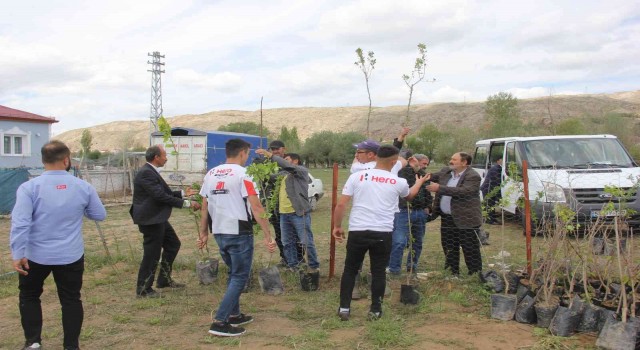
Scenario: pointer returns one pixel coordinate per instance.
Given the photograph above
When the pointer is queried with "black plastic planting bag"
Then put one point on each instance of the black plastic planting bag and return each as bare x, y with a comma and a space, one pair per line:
270, 281
525, 312
619, 335
309, 281
207, 270
565, 321
590, 317
492, 280
544, 314
409, 295
522, 291
503, 306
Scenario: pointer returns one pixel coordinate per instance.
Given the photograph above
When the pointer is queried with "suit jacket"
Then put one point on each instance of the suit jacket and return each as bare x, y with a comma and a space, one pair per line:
152, 198
465, 197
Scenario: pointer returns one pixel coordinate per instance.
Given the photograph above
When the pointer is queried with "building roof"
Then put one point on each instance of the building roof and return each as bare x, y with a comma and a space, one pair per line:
7, 113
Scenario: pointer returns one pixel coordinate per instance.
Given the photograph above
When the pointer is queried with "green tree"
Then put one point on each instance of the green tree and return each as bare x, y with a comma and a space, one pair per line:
94, 155
426, 140
291, 139
456, 139
318, 147
250, 128
417, 75
366, 65
342, 150
502, 115
85, 142
571, 126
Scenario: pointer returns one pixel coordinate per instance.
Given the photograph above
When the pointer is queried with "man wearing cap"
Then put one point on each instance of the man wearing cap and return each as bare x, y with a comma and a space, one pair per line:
278, 148
365, 157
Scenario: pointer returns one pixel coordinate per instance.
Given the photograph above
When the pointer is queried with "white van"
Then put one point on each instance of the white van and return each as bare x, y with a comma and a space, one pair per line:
565, 169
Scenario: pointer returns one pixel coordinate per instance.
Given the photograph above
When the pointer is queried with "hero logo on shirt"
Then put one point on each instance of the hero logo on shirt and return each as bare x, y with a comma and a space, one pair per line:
221, 172
380, 179
61, 187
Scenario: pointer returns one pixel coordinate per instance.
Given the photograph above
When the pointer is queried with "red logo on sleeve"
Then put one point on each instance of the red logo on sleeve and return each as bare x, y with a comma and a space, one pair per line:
251, 191
61, 187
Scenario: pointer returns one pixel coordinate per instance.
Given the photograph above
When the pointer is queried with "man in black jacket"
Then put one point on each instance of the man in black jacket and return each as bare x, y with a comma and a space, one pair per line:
410, 223
150, 210
490, 194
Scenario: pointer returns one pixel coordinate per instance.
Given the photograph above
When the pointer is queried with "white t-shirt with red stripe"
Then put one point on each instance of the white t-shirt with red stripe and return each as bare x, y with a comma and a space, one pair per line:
375, 195
226, 188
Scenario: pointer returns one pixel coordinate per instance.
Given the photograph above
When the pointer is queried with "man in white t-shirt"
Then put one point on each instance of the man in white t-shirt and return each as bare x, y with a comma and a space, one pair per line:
365, 157
375, 195
230, 197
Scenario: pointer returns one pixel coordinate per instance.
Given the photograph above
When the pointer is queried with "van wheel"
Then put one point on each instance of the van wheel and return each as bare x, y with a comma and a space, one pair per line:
313, 202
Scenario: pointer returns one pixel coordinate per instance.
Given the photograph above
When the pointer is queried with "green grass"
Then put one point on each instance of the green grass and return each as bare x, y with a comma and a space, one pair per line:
115, 318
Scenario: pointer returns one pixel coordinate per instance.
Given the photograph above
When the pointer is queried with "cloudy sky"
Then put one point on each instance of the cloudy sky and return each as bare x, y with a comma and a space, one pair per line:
85, 62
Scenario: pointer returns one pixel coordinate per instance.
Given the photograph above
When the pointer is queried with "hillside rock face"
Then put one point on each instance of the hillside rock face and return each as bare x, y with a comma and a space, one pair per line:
385, 121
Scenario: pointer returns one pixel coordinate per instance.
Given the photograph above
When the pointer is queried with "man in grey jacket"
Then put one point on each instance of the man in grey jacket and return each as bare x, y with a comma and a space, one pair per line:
294, 208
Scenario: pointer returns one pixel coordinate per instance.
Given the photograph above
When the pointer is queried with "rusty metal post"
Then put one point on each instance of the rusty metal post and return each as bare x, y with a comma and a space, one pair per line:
527, 214
334, 202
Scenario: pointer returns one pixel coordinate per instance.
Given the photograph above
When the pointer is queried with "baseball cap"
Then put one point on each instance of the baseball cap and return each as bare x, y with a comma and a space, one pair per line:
276, 144
369, 145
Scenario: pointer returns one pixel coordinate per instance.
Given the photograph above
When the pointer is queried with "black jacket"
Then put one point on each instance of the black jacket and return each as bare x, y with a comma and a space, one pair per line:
152, 198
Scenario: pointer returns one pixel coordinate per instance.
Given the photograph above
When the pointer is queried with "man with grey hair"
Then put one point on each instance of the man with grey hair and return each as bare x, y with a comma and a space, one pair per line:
423, 160
150, 210
409, 225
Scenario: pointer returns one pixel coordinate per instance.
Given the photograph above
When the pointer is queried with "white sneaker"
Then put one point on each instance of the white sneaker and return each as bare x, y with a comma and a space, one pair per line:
32, 346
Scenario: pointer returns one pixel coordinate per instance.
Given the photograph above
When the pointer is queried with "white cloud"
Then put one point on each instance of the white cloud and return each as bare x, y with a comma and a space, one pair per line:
86, 62
225, 81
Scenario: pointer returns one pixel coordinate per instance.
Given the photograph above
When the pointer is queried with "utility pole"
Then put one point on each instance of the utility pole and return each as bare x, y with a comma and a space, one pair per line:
156, 91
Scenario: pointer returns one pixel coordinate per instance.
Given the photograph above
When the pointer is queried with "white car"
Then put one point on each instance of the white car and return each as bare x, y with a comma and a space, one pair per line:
316, 191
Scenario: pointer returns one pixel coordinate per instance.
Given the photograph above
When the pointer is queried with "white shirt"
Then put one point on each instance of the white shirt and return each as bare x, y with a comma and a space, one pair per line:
226, 188
375, 195
357, 166
445, 201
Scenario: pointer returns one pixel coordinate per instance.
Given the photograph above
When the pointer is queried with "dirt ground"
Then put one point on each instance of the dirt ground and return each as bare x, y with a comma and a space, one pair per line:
451, 314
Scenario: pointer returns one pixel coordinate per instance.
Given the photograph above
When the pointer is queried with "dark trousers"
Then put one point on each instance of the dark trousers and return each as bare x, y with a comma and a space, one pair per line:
454, 238
68, 280
160, 244
275, 222
378, 244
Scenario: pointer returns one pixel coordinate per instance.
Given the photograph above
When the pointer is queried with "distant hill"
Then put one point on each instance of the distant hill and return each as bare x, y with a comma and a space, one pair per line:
384, 120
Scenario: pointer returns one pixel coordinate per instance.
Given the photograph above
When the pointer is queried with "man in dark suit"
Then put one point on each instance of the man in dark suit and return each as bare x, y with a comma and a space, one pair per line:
150, 210
457, 201
490, 194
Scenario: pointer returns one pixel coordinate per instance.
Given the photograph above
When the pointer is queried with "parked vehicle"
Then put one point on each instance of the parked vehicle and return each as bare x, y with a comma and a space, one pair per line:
565, 169
316, 191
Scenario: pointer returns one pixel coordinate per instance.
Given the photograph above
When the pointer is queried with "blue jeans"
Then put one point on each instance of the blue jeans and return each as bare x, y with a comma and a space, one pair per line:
237, 253
293, 226
400, 238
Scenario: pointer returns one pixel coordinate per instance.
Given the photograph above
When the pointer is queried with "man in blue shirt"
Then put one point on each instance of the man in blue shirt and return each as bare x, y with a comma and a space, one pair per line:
46, 237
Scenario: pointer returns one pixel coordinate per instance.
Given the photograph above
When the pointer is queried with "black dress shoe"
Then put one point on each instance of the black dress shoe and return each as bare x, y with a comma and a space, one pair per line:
149, 294
171, 284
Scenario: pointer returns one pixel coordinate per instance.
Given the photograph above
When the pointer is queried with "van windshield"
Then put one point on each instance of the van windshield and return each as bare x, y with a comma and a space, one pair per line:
576, 154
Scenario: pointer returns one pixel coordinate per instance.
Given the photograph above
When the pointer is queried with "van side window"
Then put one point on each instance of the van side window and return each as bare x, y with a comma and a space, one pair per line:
512, 159
480, 158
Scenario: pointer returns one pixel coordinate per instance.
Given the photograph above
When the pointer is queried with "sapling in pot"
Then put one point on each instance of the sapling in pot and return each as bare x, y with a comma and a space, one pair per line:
265, 174
409, 294
622, 332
